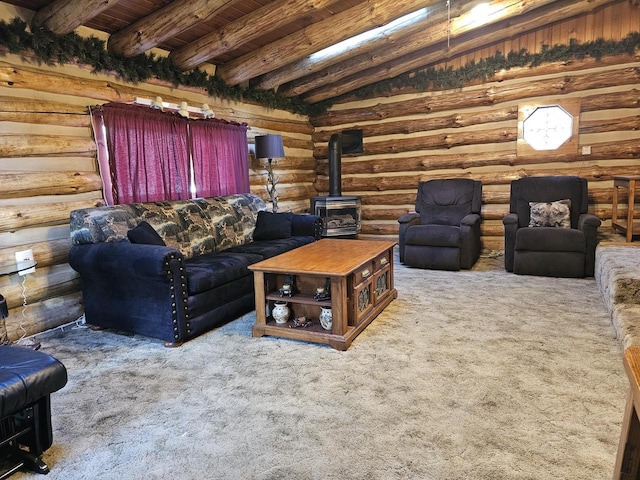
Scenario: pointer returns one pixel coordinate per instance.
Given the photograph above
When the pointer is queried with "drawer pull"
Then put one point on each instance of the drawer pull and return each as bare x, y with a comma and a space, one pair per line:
384, 261
366, 273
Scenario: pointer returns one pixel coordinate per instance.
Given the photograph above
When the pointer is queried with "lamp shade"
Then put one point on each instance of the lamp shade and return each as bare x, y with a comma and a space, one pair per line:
269, 146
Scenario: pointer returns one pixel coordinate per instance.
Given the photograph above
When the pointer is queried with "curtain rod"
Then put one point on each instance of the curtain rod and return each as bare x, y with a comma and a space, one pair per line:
183, 109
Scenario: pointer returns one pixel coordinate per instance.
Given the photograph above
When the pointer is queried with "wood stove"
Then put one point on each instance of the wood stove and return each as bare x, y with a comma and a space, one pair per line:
340, 213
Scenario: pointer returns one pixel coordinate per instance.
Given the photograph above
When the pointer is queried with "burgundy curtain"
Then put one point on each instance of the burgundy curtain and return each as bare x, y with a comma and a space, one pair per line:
220, 155
148, 154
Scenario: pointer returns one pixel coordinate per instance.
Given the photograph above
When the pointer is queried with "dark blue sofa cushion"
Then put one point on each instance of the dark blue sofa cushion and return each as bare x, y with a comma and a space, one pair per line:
145, 234
433, 235
211, 270
270, 248
272, 226
550, 239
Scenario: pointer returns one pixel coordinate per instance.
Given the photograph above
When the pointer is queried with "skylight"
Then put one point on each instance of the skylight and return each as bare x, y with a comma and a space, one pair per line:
364, 37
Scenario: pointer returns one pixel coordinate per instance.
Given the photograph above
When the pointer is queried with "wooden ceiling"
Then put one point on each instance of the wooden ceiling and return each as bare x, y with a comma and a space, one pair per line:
267, 44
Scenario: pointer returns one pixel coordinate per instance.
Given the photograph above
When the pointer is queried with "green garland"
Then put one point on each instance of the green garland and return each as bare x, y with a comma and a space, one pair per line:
432, 78
50, 49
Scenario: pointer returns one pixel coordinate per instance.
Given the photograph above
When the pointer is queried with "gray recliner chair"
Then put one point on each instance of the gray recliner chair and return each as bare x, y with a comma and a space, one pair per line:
535, 241
444, 231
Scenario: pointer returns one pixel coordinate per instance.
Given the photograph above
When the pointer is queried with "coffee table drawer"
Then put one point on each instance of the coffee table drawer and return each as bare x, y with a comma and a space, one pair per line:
363, 273
381, 261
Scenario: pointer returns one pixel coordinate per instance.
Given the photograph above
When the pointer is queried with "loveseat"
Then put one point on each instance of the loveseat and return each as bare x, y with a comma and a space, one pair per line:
176, 269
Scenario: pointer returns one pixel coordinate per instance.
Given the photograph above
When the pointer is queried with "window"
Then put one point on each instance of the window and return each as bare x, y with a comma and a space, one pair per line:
548, 128
146, 155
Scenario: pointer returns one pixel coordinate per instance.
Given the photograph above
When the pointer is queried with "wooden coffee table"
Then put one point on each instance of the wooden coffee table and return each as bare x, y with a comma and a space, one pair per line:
361, 276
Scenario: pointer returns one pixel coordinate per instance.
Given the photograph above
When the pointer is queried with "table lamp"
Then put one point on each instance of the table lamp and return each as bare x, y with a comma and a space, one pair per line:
270, 147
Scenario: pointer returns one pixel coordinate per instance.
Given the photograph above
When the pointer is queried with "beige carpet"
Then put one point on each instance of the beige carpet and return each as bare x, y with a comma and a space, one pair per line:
467, 375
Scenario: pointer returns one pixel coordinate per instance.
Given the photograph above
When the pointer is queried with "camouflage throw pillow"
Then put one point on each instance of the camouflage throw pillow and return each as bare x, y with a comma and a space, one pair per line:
550, 214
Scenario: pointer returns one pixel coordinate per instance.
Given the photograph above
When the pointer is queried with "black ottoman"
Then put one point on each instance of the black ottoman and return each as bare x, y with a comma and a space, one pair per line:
27, 378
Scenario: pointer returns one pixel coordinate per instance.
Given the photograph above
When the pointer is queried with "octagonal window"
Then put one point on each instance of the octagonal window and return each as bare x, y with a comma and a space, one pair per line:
547, 128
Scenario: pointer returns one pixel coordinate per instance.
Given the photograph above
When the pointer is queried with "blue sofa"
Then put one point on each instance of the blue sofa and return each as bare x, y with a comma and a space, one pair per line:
174, 270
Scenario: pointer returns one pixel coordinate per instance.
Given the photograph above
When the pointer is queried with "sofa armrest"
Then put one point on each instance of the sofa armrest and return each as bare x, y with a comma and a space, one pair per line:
510, 219
306, 225
470, 220
407, 220
134, 288
587, 221
123, 259
589, 225
411, 218
510, 222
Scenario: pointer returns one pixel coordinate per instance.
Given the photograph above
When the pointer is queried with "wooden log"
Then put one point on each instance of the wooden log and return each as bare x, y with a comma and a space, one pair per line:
408, 198
627, 149
12, 145
45, 315
162, 24
492, 243
514, 73
15, 217
343, 25
456, 120
382, 183
626, 99
284, 177
286, 191
47, 253
296, 206
435, 31
378, 214
58, 119
492, 228
419, 50
374, 43
245, 29
64, 16
43, 112
34, 235
30, 184
46, 282
379, 229
611, 125
493, 94
445, 140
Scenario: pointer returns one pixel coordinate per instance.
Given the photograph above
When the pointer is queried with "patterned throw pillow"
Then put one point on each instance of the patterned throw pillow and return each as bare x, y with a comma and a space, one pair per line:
550, 214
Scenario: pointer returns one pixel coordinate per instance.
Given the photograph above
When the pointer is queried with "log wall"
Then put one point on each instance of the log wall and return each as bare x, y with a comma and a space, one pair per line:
48, 167
473, 131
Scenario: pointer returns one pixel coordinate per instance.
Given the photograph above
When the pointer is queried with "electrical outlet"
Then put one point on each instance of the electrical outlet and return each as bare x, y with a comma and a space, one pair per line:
25, 256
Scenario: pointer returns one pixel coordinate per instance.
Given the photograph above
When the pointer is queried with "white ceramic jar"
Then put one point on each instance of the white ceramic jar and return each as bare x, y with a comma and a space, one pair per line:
326, 318
280, 312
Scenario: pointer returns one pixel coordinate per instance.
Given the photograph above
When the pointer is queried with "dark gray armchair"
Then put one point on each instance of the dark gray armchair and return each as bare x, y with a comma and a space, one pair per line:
537, 244
444, 231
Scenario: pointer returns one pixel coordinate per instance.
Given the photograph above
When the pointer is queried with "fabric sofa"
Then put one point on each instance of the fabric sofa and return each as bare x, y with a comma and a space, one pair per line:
174, 270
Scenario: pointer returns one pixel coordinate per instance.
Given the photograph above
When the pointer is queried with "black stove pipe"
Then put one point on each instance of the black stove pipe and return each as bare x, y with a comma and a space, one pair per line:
335, 165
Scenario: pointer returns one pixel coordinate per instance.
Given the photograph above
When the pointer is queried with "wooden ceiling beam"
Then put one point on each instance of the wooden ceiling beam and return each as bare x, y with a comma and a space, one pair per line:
245, 29
64, 16
365, 16
309, 65
419, 51
162, 24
